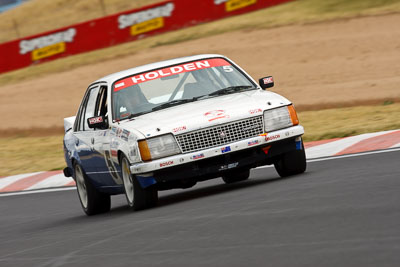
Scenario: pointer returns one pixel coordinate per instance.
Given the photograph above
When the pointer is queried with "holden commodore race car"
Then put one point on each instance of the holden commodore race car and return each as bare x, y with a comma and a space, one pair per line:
174, 123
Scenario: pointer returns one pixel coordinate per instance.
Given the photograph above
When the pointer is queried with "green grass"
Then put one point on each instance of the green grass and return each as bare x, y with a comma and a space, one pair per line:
296, 12
30, 154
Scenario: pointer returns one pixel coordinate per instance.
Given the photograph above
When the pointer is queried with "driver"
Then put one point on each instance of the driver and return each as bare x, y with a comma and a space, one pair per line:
132, 100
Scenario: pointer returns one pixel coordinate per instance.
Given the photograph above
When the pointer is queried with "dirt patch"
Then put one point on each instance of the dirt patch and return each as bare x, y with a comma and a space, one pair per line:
338, 63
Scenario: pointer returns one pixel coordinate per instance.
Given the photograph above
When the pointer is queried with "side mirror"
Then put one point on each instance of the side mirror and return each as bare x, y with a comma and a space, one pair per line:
266, 82
99, 122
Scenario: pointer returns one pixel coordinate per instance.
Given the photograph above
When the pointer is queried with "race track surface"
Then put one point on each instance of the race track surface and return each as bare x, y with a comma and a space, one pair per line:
341, 212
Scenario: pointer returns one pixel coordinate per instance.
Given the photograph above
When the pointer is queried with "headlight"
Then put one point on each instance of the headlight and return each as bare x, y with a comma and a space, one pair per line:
158, 147
280, 118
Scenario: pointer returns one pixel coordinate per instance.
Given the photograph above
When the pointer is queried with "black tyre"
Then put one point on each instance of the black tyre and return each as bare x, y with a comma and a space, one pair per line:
138, 198
239, 175
291, 163
92, 201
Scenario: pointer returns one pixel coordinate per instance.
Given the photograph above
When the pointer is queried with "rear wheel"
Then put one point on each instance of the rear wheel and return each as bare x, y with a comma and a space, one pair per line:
239, 175
92, 201
292, 163
138, 198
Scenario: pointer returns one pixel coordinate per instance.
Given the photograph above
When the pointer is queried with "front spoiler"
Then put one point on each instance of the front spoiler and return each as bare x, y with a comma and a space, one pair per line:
180, 159
258, 151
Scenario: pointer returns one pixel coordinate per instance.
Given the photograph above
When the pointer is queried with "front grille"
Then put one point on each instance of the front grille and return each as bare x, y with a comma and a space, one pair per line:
221, 134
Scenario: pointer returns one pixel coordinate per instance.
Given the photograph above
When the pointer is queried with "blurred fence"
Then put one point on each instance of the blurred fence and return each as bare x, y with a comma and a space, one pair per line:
119, 28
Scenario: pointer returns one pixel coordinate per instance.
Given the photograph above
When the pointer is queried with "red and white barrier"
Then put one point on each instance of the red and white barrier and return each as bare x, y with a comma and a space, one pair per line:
317, 149
119, 28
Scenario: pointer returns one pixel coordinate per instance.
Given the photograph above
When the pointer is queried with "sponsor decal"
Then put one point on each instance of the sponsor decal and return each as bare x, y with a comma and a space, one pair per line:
268, 80
48, 45
198, 156
114, 153
253, 143
147, 26
179, 129
167, 163
146, 20
125, 135
216, 114
225, 149
165, 72
255, 111
232, 5
95, 120
274, 137
229, 166
114, 143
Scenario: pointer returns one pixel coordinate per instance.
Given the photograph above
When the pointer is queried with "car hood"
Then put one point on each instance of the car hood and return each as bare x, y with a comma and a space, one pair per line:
204, 113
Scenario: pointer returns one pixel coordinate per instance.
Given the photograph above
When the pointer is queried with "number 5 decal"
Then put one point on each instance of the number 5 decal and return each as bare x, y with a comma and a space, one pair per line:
111, 167
228, 68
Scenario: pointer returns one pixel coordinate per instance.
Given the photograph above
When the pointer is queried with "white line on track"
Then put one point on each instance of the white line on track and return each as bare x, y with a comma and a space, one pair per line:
269, 166
38, 191
344, 156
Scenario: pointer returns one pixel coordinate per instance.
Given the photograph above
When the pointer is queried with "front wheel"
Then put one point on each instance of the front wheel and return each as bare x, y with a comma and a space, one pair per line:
291, 163
138, 198
92, 201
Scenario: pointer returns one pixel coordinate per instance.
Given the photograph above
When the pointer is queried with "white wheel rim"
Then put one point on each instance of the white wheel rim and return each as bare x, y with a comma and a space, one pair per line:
128, 182
81, 186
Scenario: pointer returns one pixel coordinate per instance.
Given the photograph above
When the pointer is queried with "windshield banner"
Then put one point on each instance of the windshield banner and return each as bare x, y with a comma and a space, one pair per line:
169, 71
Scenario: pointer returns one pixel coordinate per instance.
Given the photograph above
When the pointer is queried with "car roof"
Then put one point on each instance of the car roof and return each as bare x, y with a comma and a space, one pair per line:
121, 74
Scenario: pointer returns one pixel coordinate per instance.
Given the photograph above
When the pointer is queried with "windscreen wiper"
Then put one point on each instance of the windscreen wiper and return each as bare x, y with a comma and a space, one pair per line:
133, 115
173, 103
231, 89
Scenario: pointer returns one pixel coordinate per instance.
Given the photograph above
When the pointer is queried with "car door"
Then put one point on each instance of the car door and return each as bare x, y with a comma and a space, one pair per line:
84, 136
108, 171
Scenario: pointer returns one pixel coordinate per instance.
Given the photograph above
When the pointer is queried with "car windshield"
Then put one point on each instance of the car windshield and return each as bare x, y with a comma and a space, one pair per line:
175, 85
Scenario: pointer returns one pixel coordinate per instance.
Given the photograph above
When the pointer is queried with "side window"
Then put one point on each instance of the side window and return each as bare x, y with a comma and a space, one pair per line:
87, 109
90, 106
101, 105
78, 119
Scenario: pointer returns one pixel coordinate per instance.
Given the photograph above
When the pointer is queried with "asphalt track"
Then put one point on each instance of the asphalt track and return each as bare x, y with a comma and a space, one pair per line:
341, 212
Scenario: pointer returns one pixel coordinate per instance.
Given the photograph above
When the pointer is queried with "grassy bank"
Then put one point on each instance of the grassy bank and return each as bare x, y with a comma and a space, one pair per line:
30, 154
296, 12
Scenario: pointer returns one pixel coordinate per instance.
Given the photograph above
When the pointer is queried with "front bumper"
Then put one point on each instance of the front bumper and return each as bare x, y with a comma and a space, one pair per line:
181, 159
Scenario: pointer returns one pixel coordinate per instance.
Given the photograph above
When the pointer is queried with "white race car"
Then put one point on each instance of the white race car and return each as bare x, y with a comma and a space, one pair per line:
174, 123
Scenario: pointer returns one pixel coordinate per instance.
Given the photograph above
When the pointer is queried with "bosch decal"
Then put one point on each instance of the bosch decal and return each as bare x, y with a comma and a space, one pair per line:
179, 129
226, 149
48, 45
255, 111
166, 163
274, 137
215, 115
